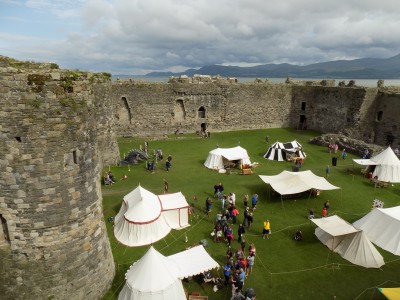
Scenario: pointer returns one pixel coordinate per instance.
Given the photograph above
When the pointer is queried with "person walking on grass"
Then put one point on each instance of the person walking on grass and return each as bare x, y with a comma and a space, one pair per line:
266, 229
241, 231
208, 206
165, 187
250, 264
254, 200
327, 171
249, 220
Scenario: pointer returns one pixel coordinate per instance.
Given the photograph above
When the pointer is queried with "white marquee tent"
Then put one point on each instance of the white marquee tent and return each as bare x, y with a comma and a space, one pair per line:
175, 210
286, 183
193, 261
382, 227
153, 277
142, 220
279, 151
350, 243
218, 157
387, 165
156, 277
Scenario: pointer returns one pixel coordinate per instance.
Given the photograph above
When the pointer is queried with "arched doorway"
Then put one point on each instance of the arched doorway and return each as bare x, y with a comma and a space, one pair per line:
4, 236
203, 127
303, 122
201, 113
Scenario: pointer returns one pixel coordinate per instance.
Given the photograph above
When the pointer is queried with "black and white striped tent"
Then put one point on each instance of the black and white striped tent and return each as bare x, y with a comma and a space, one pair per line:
280, 151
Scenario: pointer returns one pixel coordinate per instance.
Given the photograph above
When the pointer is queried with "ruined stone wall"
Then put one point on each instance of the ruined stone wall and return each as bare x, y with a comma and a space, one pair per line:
386, 119
56, 245
328, 109
153, 108
149, 109
105, 121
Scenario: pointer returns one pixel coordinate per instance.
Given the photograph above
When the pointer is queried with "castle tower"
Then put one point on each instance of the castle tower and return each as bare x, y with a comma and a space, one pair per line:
53, 241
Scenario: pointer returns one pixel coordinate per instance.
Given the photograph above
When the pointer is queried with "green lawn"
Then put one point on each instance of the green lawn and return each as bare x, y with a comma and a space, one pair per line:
284, 268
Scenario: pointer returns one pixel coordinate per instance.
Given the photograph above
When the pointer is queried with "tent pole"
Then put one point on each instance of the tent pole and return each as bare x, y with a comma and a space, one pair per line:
282, 200
309, 196
269, 193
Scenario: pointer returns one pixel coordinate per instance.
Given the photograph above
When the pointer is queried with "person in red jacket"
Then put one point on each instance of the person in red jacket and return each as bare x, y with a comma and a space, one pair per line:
324, 212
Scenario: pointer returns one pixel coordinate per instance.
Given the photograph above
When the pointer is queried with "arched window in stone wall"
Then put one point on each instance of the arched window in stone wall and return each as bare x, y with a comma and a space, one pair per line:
302, 122
201, 113
303, 105
379, 116
4, 235
123, 114
179, 111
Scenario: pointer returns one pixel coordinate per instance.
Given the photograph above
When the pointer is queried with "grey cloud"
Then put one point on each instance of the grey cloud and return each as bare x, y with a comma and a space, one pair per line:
151, 35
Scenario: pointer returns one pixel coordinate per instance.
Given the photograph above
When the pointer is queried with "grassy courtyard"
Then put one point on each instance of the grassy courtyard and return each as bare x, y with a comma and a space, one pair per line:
284, 268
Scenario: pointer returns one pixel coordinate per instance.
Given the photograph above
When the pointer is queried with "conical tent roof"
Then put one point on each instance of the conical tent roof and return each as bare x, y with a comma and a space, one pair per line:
386, 157
388, 166
140, 221
351, 243
278, 151
153, 277
142, 206
382, 227
275, 152
357, 249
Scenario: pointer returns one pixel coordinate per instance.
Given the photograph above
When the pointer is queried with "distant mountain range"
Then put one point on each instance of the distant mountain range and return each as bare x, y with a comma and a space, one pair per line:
364, 68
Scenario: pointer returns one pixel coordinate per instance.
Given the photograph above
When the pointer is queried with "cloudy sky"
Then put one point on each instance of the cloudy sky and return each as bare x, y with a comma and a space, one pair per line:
140, 36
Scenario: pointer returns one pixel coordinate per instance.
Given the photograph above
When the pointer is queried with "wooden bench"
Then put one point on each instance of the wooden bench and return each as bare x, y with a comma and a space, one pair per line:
246, 172
192, 297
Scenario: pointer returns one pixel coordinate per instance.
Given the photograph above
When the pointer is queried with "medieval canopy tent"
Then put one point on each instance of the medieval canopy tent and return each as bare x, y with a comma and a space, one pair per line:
280, 151
175, 209
193, 261
350, 243
142, 219
390, 293
287, 183
218, 158
156, 277
382, 227
153, 277
385, 165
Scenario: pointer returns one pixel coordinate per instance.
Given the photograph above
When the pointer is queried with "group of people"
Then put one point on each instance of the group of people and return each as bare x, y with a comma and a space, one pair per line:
151, 166
109, 178
239, 266
333, 148
324, 213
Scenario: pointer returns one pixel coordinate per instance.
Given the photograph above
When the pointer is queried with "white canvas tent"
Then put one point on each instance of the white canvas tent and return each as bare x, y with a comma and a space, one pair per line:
153, 277
139, 221
144, 218
382, 227
286, 183
175, 209
156, 277
279, 151
193, 261
387, 165
350, 243
218, 157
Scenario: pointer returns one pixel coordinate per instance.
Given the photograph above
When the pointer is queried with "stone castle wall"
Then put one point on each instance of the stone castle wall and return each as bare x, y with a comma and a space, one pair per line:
198, 103
58, 128
54, 243
157, 109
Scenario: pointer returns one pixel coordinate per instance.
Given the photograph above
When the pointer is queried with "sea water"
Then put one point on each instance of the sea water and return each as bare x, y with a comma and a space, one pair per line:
358, 82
